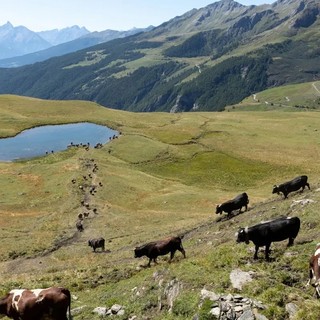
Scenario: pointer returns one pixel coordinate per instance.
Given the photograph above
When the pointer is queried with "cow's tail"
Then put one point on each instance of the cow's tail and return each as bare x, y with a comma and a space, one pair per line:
68, 294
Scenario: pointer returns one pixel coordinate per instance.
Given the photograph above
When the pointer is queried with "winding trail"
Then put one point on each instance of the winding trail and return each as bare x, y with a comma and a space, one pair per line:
315, 87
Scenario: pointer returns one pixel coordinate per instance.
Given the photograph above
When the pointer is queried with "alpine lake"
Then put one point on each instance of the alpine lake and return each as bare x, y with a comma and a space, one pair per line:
40, 141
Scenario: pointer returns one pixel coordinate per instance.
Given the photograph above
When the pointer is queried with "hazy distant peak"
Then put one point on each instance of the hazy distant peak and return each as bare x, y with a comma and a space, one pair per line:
55, 37
225, 5
8, 25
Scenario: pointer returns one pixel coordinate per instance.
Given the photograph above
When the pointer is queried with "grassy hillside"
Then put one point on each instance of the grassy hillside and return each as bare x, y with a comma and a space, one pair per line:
295, 97
163, 176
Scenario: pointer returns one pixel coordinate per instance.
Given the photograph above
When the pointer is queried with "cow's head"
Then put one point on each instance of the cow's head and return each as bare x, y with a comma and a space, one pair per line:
242, 235
275, 189
138, 252
218, 209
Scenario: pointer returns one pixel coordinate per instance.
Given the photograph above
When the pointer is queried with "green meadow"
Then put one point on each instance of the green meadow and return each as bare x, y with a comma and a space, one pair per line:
163, 176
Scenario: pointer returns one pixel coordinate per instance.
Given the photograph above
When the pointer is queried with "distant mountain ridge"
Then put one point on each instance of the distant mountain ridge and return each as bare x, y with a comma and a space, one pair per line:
202, 60
18, 41
15, 41
84, 41
56, 36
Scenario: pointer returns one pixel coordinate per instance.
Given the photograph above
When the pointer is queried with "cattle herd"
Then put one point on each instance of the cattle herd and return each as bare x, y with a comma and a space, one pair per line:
54, 303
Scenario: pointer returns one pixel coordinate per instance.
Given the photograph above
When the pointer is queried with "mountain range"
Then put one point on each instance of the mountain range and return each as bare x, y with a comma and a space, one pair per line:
203, 60
21, 46
17, 41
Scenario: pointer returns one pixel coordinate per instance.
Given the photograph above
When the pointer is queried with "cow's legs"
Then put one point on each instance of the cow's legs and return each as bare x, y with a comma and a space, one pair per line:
256, 252
290, 243
182, 251
267, 251
172, 254
149, 263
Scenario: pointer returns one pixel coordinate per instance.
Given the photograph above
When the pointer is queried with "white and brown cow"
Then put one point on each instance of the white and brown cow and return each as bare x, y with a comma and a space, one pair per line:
38, 304
314, 270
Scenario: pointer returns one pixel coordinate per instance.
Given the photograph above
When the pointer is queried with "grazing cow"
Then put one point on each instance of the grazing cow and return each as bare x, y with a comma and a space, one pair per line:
159, 248
238, 202
314, 270
265, 233
290, 186
96, 243
79, 225
38, 304
86, 214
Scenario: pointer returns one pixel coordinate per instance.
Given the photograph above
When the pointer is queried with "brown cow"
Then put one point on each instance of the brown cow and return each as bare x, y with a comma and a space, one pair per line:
314, 270
79, 225
38, 304
159, 248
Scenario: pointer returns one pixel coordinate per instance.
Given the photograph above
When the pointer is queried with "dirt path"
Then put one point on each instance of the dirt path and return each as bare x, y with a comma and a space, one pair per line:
315, 87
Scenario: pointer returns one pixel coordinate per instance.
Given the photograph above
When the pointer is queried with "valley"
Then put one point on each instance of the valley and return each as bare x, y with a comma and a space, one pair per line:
163, 176
171, 163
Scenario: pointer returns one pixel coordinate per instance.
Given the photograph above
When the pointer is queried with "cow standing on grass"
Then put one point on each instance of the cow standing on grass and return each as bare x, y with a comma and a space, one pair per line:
38, 304
264, 234
237, 203
290, 186
96, 243
159, 248
79, 225
314, 270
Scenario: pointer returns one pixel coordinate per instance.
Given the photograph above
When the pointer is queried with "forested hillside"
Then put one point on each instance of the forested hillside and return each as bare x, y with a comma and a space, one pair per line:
203, 60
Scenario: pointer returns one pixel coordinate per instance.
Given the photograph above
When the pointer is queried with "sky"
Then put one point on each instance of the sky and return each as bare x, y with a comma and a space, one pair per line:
98, 15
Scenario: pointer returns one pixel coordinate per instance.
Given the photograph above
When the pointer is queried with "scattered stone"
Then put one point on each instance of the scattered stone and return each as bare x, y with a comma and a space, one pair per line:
247, 315
292, 309
116, 309
101, 311
205, 294
171, 292
235, 307
215, 312
76, 311
239, 278
302, 202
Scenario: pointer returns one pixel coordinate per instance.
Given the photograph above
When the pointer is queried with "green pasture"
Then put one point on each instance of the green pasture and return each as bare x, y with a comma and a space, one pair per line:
294, 97
163, 176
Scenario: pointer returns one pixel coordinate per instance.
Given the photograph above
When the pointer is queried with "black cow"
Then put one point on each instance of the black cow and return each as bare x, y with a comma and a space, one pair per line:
264, 234
96, 243
314, 270
290, 186
238, 202
159, 248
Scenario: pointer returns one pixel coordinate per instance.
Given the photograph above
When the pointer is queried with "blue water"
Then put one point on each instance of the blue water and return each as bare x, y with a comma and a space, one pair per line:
41, 140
